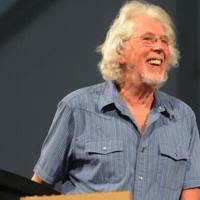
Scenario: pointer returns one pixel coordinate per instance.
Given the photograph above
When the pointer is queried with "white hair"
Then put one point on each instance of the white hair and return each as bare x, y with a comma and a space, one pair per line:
123, 27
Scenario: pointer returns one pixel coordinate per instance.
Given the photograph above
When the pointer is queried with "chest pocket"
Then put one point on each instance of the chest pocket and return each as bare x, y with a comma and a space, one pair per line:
171, 166
101, 160
104, 147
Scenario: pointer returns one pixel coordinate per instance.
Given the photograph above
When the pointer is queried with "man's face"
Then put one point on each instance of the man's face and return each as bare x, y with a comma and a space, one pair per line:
145, 56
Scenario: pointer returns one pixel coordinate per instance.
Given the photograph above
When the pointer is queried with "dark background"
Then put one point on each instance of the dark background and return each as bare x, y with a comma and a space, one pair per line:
47, 49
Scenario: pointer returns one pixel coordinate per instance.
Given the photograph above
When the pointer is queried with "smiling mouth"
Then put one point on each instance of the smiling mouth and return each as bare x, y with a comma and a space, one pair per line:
155, 61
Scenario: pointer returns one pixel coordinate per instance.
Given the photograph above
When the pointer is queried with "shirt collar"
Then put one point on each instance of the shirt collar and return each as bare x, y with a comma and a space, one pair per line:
110, 97
162, 103
106, 97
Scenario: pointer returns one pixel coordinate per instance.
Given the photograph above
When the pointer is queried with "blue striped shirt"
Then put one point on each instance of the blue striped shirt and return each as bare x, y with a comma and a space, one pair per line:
94, 145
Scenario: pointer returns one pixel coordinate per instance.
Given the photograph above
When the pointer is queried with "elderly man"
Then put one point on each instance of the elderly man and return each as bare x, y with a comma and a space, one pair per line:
124, 134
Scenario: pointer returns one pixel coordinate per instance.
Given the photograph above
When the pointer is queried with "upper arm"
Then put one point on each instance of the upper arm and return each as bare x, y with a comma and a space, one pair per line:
190, 194
192, 174
52, 165
38, 179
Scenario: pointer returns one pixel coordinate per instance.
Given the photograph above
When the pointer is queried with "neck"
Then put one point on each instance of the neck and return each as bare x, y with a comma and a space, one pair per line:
137, 96
139, 101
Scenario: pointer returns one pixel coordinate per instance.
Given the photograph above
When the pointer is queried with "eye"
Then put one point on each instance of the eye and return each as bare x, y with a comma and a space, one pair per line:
164, 40
147, 38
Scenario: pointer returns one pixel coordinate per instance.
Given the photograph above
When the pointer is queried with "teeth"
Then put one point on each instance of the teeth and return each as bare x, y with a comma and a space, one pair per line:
155, 61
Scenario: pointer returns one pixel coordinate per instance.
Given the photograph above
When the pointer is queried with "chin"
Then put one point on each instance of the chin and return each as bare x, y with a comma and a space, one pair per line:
155, 82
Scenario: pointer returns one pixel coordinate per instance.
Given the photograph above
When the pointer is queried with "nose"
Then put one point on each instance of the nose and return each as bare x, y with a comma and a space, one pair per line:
158, 46
157, 49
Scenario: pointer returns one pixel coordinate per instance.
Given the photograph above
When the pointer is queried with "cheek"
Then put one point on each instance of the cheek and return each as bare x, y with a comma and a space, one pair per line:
167, 53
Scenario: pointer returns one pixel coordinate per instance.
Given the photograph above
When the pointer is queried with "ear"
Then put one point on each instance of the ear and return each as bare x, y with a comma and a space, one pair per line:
121, 55
121, 60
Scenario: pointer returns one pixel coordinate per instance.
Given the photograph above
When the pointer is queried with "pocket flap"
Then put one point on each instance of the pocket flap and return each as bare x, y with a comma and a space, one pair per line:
103, 146
176, 153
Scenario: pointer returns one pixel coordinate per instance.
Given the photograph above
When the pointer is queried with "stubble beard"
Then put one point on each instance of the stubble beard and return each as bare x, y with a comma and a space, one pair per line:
155, 82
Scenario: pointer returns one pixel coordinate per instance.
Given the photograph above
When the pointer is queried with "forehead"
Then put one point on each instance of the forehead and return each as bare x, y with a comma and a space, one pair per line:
143, 24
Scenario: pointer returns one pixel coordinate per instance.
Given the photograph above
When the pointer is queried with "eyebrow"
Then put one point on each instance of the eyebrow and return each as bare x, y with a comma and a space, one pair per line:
152, 34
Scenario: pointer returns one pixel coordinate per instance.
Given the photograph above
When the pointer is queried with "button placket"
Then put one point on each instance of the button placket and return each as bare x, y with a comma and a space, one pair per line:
140, 168
143, 149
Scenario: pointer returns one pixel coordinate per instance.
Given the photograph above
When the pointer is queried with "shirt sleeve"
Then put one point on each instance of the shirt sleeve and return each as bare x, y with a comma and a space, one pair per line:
54, 158
192, 176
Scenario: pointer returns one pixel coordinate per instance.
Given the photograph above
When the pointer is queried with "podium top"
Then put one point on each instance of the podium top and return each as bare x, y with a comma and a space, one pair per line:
123, 195
23, 186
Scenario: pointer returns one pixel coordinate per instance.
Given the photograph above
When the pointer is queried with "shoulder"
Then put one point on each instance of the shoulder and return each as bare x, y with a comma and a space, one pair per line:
177, 106
84, 98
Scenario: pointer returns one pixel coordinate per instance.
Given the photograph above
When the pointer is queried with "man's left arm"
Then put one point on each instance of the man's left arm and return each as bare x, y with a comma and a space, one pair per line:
190, 194
191, 187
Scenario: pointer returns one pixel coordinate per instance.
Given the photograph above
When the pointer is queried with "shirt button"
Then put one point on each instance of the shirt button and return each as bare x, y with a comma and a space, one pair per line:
104, 148
140, 177
161, 109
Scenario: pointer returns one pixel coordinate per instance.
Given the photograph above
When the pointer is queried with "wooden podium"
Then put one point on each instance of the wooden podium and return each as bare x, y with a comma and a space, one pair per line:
89, 196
